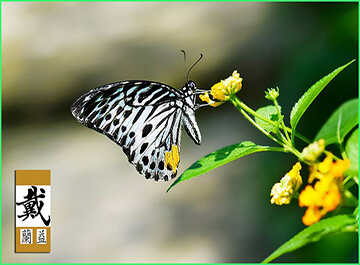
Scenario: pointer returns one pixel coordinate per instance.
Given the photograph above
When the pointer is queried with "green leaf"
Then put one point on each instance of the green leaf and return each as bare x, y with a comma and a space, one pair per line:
315, 232
352, 151
270, 112
309, 96
340, 123
222, 157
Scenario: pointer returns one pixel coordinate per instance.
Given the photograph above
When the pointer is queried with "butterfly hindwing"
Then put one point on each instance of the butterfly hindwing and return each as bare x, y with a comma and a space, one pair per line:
150, 149
141, 116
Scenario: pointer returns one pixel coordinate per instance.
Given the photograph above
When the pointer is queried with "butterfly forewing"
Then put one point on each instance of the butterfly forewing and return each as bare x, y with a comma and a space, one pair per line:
141, 116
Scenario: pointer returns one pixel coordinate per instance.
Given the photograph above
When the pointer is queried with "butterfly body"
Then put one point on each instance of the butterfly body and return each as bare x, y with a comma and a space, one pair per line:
145, 119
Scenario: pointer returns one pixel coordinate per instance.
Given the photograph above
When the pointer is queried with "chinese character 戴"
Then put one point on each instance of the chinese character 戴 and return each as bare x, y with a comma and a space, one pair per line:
33, 205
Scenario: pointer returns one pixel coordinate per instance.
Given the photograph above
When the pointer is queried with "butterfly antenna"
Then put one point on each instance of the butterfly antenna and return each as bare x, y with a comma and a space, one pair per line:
187, 76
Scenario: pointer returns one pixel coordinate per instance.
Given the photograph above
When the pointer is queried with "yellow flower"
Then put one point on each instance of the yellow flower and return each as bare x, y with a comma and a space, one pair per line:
309, 197
325, 165
211, 102
325, 196
283, 192
223, 90
313, 151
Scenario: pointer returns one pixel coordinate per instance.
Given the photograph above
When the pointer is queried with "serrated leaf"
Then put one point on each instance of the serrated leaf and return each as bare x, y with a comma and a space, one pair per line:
352, 151
221, 157
304, 102
340, 123
270, 112
315, 232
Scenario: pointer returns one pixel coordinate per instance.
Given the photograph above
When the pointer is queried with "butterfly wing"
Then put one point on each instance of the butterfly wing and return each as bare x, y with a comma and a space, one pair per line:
141, 116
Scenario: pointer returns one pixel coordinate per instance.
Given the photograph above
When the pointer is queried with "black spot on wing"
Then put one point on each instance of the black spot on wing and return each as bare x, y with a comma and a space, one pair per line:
116, 122
127, 114
161, 165
145, 160
139, 167
146, 130
116, 134
143, 147
108, 117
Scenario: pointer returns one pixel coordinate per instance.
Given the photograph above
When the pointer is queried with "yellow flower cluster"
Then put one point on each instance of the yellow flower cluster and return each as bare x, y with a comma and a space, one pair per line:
320, 198
222, 91
283, 192
325, 195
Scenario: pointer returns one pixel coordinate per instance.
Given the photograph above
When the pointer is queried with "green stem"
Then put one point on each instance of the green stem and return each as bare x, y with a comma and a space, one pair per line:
260, 128
239, 107
282, 120
348, 182
285, 146
242, 106
342, 150
255, 114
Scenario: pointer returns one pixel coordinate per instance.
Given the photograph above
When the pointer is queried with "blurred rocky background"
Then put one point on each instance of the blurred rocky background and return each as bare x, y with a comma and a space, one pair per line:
102, 209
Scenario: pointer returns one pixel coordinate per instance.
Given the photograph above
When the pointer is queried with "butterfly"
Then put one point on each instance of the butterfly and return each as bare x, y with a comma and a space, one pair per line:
145, 119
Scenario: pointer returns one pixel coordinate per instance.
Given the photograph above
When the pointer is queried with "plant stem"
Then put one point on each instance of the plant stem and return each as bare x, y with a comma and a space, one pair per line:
241, 106
285, 146
237, 101
237, 104
260, 128
282, 120
244, 109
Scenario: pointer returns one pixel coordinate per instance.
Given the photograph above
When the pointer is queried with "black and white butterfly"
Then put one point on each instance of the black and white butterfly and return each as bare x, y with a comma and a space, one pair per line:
145, 118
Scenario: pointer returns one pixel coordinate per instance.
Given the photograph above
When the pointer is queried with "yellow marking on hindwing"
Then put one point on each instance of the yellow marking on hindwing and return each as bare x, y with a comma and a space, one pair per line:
172, 158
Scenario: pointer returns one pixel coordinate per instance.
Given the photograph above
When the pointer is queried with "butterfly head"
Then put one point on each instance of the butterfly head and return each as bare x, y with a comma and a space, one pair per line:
189, 88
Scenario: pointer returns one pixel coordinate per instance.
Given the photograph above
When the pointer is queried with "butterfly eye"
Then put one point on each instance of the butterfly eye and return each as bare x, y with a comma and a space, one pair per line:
191, 85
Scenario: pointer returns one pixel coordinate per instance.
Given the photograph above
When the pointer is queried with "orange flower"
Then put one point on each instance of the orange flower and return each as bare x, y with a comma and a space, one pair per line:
325, 196
312, 215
